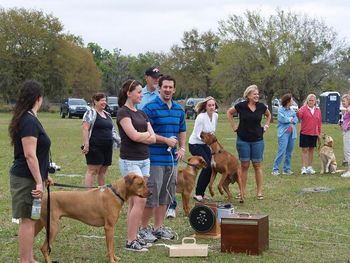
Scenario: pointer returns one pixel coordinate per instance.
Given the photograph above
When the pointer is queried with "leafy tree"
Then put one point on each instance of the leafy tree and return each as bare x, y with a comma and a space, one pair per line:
192, 63
33, 46
289, 52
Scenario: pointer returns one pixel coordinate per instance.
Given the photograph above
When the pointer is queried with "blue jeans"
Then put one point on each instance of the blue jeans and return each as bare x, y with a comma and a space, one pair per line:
285, 147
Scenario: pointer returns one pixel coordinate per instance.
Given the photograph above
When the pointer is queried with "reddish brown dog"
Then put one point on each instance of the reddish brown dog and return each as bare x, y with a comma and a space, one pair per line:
98, 207
225, 163
186, 180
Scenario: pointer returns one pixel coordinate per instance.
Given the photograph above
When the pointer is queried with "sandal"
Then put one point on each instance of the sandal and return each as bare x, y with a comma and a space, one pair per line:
198, 198
260, 197
238, 196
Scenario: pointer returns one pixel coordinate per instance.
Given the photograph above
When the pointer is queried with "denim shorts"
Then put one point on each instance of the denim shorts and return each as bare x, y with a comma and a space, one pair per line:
140, 167
250, 151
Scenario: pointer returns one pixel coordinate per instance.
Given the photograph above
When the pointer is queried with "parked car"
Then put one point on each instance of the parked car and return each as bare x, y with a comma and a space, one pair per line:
73, 107
112, 105
190, 106
276, 104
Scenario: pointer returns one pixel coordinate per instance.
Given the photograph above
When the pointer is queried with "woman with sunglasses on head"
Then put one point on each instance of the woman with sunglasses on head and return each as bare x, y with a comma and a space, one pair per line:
136, 134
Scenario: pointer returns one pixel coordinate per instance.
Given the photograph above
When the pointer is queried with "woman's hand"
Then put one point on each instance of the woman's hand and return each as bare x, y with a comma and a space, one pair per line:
85, 150
266, 127
49, 181
38, 192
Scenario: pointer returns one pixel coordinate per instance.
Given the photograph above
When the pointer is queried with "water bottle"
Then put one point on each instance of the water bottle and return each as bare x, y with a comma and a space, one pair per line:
36, 209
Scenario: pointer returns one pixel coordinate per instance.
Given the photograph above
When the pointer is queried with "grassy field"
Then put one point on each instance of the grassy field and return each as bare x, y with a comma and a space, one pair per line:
304, 227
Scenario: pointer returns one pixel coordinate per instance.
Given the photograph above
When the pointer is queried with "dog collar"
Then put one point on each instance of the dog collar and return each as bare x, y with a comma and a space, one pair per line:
115, 192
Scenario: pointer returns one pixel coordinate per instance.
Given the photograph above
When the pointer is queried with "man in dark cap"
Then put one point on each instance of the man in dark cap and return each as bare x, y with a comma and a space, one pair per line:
150, 91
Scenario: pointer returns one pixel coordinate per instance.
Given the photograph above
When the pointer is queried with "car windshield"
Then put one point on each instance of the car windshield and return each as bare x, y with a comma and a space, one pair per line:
194, 101
77, 102
112, 100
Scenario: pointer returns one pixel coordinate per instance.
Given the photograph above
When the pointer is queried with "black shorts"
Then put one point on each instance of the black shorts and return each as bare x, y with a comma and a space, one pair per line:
100, 154
307, 141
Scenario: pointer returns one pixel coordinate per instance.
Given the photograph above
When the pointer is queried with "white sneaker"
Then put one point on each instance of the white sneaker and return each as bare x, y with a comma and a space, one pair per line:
171, 213
303, 170
310, 170
346, 175
276, 172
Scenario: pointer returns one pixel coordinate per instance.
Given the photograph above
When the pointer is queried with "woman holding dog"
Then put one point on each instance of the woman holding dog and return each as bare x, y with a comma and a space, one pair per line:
98, 138
286, 133
345, 127
310, 128
136, 134
206, 121
29, 171
250, 141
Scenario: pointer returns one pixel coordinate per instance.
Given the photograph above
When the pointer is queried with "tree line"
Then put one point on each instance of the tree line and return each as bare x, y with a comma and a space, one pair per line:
284, 52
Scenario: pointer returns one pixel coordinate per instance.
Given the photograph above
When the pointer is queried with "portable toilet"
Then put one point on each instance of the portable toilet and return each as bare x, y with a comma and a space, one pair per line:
329, 105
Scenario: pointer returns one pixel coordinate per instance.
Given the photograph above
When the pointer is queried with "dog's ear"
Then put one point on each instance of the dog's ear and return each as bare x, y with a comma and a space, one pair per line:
189, 159
330, 143
129, 179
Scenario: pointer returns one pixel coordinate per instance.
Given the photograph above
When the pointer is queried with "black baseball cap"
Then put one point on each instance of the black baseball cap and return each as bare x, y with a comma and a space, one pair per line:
153, 72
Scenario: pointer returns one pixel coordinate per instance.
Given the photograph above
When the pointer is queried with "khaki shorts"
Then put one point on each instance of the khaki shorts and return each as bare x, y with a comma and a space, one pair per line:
157, 184
22, 199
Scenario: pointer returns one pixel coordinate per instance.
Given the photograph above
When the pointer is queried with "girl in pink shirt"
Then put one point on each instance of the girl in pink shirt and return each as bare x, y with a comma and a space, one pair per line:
311, 120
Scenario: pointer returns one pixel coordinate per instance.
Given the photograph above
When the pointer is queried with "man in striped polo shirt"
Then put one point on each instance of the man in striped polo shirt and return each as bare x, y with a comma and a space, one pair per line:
168, 122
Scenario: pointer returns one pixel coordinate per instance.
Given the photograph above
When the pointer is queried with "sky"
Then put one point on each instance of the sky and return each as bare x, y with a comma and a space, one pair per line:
138, 26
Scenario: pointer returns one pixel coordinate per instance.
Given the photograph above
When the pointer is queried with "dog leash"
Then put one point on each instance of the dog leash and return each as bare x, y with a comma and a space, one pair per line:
48, 219
190, 164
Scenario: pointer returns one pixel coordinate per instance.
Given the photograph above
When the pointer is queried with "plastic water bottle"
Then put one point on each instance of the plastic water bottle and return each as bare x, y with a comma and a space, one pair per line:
36, 209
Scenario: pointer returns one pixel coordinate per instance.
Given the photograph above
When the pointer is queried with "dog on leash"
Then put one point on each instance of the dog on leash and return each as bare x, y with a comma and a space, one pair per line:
97, 207
327, 156
186, 180
225, 163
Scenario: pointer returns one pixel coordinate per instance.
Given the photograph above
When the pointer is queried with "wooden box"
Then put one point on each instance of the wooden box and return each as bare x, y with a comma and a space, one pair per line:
245, 233
188, 249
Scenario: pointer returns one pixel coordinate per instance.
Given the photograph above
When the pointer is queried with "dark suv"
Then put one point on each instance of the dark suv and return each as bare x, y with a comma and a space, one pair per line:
112, 105
73, 107
190, 105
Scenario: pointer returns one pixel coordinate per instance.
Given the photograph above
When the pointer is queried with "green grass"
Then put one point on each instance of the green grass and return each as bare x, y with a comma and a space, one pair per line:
304, 227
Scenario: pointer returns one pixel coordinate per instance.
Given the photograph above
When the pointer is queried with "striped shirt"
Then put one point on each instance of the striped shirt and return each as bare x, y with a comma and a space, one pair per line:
167, 123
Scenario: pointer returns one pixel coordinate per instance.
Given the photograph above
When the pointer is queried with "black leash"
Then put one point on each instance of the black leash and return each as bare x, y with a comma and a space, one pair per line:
190, 164
48, 219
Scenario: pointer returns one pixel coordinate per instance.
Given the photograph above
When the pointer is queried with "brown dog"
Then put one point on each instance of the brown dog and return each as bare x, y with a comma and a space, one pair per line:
327, 156
97, 207
225, 163
186, 180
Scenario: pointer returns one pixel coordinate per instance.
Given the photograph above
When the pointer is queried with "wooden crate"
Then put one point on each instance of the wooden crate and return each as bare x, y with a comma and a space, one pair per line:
188, 248
245, 233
